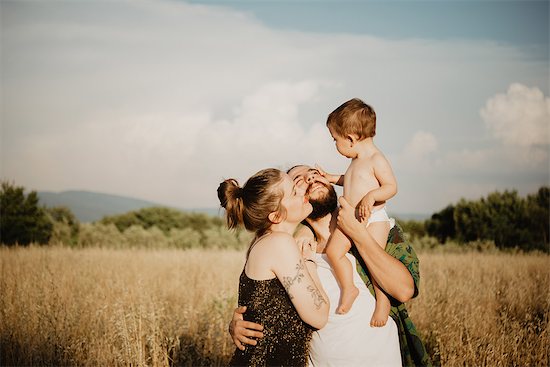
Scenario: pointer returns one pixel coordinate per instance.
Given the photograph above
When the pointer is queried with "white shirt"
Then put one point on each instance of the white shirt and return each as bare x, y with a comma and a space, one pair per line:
349, 340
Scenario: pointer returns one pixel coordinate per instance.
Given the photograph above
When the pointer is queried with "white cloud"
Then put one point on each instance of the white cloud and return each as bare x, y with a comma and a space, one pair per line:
161, 100
417, 156
469, 159
421, 145
520, 117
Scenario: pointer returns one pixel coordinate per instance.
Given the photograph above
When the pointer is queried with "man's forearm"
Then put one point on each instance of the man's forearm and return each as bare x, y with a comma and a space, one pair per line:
390, 274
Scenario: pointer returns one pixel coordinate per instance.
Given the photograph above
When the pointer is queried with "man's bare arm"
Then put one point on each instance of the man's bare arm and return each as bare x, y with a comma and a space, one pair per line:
390, 273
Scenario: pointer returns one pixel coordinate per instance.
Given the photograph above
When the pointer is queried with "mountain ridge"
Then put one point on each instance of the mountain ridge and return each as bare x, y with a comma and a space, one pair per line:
90, 206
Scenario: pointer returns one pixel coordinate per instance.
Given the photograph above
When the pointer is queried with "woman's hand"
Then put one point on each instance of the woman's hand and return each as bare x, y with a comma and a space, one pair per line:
241, 330
346, 217
307, 247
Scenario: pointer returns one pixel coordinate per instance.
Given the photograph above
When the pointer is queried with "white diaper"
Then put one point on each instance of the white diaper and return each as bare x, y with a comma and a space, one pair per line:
380, 215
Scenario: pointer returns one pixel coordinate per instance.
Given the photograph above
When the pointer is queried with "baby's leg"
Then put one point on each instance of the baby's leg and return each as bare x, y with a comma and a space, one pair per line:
337, 247
382, 308
380, 231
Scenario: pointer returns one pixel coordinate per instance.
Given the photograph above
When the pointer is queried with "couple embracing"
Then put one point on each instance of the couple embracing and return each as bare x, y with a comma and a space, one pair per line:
304, 299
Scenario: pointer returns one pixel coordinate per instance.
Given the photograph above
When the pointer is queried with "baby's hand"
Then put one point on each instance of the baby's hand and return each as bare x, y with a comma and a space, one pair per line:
331, 178
365, 207
321, 170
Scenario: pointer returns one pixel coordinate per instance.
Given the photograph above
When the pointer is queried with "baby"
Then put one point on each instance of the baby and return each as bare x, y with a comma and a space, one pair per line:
368, 183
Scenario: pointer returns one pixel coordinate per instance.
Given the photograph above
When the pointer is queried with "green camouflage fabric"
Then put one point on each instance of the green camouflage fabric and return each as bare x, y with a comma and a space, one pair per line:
413, 352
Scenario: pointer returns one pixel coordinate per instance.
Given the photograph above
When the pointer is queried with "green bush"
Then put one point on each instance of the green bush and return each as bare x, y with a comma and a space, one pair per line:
65, 226
413, 228
139, 237
222, 238
101, 235
163, 218
22, 220
184, 238
505, 218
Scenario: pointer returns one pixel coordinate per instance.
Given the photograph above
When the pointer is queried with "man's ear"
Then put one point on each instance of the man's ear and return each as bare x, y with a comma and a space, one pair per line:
275, 217
351, 139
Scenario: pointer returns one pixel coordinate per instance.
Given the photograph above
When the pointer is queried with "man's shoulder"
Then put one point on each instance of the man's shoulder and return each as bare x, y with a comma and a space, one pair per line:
395, 235
398, 246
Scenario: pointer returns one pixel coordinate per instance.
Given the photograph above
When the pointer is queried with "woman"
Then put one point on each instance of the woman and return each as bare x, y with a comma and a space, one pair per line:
279, 283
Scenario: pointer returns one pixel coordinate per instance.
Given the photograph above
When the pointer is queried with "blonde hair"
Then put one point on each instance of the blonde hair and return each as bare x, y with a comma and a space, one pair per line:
251, 204
353, 117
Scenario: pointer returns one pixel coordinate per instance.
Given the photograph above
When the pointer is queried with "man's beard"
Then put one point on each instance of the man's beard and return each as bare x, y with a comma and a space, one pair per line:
324, 204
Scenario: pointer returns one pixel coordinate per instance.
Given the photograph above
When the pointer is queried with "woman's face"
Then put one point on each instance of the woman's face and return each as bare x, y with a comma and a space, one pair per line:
294, 201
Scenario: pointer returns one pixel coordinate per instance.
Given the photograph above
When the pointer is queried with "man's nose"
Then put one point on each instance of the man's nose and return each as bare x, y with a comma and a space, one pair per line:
310, 178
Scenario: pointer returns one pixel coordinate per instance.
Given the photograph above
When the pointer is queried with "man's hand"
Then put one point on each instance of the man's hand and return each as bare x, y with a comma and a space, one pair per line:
365, 206
241, 330
346, 216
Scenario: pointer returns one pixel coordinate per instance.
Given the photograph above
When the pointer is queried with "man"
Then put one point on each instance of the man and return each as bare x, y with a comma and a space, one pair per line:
395, 269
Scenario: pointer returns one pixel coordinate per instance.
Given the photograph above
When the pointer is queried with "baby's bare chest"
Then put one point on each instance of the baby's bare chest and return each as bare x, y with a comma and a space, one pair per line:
359, 179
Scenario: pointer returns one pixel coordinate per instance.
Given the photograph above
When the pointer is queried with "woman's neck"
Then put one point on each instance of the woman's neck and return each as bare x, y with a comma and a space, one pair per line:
284, 226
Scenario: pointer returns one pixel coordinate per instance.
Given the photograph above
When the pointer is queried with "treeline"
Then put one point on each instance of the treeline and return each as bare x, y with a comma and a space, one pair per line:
505, 218
23, 221
502, 220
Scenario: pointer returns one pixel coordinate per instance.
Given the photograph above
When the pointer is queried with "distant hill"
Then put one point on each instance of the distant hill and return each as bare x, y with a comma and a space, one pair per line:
410, 216
92, 206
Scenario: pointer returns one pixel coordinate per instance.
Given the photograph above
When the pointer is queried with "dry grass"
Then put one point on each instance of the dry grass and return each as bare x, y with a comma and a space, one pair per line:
167, 307
485, 309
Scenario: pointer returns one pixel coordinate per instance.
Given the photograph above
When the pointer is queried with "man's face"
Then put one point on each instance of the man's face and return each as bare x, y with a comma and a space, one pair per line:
322, 195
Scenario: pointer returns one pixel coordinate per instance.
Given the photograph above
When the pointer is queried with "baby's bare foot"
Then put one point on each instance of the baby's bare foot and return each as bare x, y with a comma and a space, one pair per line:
380, 314
347, 297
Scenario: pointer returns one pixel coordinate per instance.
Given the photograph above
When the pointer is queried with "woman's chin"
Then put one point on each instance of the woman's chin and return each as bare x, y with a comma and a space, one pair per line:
308, 210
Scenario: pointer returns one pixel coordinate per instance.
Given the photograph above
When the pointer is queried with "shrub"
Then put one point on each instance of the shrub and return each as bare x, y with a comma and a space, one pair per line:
22, 221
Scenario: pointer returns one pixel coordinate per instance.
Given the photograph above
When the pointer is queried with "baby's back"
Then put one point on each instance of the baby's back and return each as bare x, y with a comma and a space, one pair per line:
359, 179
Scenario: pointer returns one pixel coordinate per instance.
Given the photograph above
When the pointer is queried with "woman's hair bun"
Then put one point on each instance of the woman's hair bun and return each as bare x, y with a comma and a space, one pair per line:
229, 191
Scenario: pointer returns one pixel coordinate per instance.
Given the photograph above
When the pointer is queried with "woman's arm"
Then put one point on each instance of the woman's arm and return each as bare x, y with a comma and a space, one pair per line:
300, 280
390, 274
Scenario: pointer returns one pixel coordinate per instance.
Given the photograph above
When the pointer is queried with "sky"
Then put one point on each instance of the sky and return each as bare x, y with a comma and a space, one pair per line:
162, 100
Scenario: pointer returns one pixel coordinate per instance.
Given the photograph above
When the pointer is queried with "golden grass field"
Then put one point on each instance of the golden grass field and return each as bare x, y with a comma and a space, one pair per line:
104, 307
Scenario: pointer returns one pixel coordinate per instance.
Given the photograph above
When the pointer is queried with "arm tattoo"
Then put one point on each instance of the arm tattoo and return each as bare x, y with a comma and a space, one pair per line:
289, 281
318, 299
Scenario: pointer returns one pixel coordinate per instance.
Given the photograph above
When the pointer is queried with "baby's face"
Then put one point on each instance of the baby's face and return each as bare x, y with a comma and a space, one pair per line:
343, 144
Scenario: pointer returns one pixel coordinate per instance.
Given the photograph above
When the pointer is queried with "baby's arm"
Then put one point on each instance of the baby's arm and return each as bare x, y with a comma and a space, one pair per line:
384, 174
333, 179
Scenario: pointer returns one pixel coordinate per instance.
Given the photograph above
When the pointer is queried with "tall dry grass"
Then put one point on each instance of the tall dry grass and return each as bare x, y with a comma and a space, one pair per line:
479, 309
60, 306
116, 307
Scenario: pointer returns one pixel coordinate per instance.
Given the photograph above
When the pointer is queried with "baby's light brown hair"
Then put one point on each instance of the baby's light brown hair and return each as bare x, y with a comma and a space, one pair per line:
353, 117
